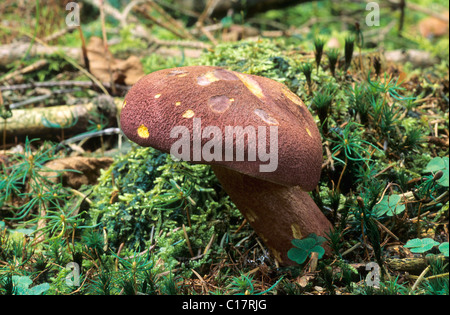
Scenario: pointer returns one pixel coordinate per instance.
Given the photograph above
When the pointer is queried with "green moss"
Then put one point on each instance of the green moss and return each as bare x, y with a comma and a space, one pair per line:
145, 198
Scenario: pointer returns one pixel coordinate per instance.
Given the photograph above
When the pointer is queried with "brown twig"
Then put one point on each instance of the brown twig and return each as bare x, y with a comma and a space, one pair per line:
33, 67
59, 33
329, 160
342, 173
84, 49
209, 9
49, 84
386, 229
203, 282
105, 45
4, 124
174, 29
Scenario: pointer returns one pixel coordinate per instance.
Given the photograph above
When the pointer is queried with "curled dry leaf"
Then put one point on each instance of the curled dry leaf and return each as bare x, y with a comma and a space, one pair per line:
304, 280
127, 71
433, 27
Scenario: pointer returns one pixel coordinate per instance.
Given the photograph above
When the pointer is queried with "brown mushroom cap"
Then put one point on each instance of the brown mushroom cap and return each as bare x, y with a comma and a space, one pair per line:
168, 98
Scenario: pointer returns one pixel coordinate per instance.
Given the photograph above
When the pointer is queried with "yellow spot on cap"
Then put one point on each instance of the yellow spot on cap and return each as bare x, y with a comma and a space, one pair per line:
207, 79
219, 103
296, 233
267, 118
251, 84
143, 132
309, 132
157, 95
189, 114
177, 103
124, 103
231, 99
290, 95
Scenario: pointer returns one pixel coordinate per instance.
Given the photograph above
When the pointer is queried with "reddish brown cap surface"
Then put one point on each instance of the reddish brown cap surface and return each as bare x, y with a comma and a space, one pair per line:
162, 100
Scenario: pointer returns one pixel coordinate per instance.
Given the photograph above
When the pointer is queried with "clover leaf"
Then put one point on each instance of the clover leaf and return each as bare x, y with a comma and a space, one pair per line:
443, 248
22, 283
389, 205
304, 247
439, 164
418, 245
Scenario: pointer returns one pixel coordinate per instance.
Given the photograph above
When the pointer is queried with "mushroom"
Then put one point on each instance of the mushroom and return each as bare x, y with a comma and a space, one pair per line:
258, 136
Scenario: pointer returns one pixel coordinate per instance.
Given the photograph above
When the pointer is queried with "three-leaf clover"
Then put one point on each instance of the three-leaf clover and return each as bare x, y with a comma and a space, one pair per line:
439, 164
304, 247
389, 205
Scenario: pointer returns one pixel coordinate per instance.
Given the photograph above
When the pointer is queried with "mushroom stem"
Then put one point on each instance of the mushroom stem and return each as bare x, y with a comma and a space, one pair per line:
277, 213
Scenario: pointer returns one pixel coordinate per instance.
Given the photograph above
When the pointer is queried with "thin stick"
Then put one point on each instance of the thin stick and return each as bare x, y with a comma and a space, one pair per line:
204, 284
4, 124
442, 275
209, 9
422, 275
209, 244
33, 67
342, 173
386, 229
241, 226
187, 241
84, 49
117, 259
357, 245
83, 84
105, 46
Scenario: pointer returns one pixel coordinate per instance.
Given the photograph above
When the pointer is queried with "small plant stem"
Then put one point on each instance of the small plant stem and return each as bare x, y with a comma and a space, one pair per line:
418, 219
102, 145
241, 226
84, 49
342, 173
187, 241
188, 216
357, 245
4, 135
361, 61
41, 225
4, 123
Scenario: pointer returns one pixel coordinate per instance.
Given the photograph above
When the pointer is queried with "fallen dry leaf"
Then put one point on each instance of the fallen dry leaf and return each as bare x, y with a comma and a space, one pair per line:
127, 71
88, 170
304, 280
432, 27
